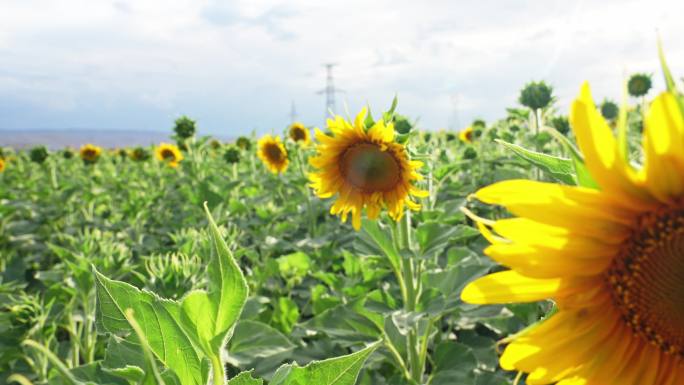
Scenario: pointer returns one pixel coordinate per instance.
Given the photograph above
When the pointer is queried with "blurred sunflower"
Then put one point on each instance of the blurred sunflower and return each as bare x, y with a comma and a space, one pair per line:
90, 153
2, 164
366, 168
243, 143
272, 152
611, 258
169, 153
300, 134
139, 154
466, 135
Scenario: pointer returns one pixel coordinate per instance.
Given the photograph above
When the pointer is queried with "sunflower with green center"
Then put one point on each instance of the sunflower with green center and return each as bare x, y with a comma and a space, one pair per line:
90, 153
272, 152
611, 258
466, 135
169, 154
300, 134
366, 168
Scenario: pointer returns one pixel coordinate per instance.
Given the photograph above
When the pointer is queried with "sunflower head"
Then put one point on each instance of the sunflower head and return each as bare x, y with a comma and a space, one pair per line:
466, 135
67, 153
272, 152
609, 254
2, 164
300, 134
38, 154
90, 153
366, 168
121, 153
232, 155
215, 144
243, 143
139, 154
185, 127
639, 84
609, 110
169, 154
536, 95
561, 124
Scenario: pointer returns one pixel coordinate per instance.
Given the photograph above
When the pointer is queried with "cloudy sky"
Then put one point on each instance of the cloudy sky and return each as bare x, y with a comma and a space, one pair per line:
239, 65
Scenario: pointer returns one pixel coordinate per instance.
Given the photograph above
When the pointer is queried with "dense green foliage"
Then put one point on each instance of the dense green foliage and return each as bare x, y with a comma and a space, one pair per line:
113, 273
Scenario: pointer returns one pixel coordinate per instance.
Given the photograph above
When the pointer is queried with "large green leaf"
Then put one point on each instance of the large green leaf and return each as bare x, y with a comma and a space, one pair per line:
335, 371
159, 320
181, 335
213, 314
560, 169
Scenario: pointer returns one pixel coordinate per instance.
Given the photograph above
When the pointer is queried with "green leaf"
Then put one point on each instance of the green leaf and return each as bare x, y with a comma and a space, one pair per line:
159, 318
378, 236
335, 371
584, 177
245, 378
152, 375
295, 265
434, 236
253, 341
348, 322
450, 355
389, 114
181, 335
559, 168
213, 314
368, 122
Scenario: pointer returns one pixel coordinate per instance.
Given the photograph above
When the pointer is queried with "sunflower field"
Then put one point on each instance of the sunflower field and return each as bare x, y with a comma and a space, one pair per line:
541, 248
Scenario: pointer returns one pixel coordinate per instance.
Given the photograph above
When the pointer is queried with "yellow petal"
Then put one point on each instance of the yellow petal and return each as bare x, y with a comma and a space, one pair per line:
600, 150
664, 149
508, 287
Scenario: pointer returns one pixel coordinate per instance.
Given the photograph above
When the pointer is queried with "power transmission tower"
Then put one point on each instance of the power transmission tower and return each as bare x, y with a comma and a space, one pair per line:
329, 90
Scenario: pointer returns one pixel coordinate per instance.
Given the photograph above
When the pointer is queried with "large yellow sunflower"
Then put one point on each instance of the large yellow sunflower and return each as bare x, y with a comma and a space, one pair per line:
466, 135
90, 153
611, 258
300, 134
169, 153
273, 153
366, 168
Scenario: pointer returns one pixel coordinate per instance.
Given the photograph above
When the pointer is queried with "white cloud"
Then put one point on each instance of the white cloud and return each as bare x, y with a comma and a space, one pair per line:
237, 65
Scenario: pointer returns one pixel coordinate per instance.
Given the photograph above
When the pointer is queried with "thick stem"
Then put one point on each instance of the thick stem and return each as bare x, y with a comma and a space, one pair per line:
218, 371
409, 272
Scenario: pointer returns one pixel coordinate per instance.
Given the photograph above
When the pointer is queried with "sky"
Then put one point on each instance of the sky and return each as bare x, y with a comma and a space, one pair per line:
238, 66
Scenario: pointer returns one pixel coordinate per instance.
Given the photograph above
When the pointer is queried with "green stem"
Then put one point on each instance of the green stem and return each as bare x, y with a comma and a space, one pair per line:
409, 272
397, 356
218, 370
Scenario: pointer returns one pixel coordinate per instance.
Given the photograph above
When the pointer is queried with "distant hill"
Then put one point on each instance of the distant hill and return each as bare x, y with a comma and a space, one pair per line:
56, 139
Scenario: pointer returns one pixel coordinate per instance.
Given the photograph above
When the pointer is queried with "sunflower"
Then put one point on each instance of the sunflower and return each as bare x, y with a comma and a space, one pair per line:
168, 153
272, 152
366, 168
466, 135
2, 164
300, 134
611, 258
90, 153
